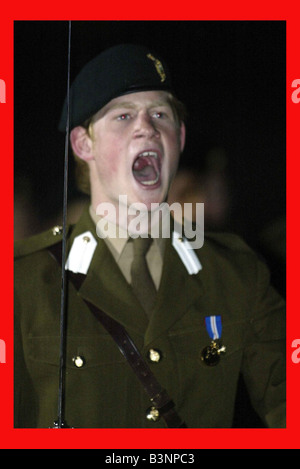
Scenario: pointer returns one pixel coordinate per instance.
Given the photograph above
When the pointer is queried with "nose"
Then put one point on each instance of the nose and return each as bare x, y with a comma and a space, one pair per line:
145, 126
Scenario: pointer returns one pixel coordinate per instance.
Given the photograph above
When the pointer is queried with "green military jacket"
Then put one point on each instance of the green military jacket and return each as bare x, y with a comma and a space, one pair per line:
101, 389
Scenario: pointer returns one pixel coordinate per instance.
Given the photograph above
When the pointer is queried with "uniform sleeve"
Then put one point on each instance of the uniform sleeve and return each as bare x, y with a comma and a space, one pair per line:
264, 357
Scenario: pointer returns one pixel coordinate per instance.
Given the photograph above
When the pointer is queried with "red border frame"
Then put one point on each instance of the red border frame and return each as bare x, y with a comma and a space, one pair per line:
11, 438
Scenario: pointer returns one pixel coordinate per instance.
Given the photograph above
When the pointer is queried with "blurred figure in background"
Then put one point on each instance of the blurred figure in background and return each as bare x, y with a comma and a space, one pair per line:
209, 186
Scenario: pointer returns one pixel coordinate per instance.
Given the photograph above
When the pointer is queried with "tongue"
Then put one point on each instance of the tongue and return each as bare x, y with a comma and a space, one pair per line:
143, 170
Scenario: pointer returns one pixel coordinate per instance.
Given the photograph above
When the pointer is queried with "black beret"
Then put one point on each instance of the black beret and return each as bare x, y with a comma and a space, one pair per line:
120, 70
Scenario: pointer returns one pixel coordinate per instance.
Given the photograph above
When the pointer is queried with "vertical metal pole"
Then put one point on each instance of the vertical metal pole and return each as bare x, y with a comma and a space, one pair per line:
60, 423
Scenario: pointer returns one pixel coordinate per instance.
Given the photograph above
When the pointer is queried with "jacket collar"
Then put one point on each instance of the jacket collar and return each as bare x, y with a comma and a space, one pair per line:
177, 292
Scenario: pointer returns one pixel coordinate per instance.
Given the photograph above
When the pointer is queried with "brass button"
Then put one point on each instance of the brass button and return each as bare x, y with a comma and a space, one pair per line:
86, 239
154, 355
78, 361
57, 230
152, 414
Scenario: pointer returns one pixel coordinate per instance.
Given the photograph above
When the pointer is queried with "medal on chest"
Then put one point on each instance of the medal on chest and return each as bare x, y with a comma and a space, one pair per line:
211, 354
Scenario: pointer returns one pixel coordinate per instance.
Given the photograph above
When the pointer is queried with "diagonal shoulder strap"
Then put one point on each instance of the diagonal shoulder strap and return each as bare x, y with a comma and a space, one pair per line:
158, 396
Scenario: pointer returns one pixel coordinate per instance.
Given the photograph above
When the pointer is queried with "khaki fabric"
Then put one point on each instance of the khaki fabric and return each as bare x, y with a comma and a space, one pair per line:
104, 392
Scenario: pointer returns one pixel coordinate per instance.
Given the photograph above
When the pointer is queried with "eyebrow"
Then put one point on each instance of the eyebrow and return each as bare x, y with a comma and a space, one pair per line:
130, 105
126, 104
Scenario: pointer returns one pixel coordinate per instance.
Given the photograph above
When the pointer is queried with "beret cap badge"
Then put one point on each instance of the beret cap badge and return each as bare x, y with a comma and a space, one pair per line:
158, 66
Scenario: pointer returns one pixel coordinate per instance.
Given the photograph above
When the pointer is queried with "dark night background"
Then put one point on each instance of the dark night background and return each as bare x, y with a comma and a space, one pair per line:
231, 76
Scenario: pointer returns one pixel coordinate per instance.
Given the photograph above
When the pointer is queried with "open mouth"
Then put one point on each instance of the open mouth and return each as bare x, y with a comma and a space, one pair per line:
146, 168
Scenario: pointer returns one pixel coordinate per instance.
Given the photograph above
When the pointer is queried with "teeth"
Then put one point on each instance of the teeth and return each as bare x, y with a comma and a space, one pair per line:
149, 153
150, 183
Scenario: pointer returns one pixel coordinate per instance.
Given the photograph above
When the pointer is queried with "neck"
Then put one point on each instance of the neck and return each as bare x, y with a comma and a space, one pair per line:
133, 220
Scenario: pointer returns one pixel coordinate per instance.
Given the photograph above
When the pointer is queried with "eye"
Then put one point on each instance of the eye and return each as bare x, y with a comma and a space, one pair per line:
123, 117
158, 114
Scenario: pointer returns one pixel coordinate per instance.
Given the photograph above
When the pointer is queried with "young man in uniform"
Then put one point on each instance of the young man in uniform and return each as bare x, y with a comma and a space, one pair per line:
197, 317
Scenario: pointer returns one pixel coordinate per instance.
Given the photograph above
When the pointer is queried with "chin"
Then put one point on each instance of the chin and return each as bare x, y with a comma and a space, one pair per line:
150, 197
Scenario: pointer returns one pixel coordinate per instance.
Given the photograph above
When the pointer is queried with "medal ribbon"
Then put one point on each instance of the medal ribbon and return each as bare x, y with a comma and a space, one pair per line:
214, 326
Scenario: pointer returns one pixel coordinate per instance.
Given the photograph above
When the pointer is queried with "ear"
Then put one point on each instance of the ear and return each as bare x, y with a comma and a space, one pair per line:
81, 143
182, 136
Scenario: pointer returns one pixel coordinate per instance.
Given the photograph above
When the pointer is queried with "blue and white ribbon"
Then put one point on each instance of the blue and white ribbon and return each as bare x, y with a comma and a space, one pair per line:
214, 326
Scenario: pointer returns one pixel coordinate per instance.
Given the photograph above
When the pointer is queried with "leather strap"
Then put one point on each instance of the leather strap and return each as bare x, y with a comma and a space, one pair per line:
158, 396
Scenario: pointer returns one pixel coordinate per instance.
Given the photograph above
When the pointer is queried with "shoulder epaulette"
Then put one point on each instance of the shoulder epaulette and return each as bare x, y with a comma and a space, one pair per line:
38, 242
